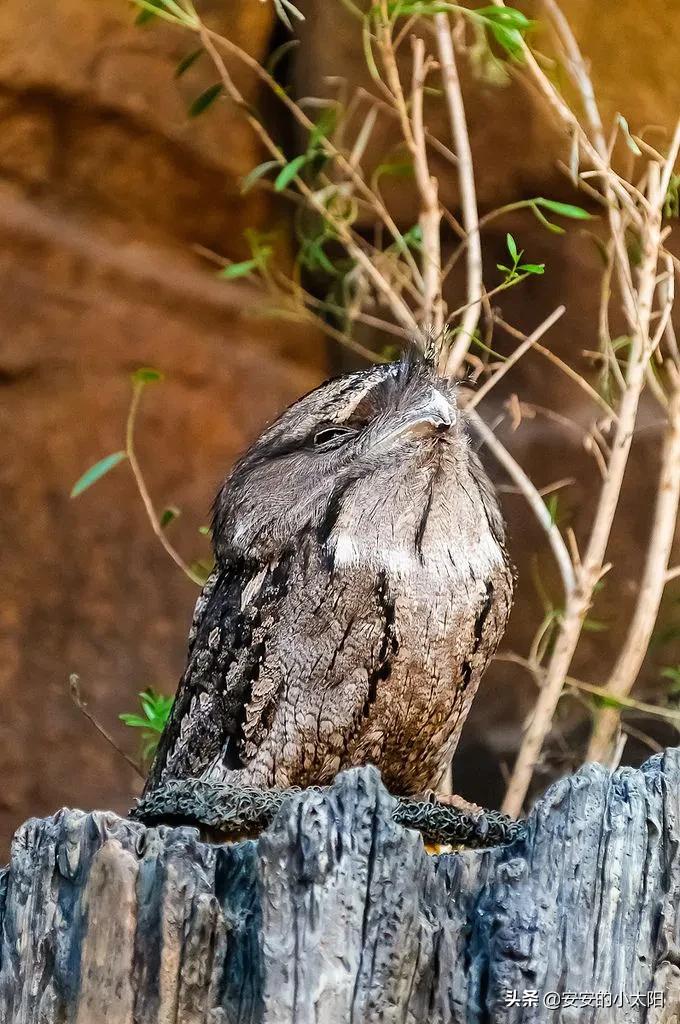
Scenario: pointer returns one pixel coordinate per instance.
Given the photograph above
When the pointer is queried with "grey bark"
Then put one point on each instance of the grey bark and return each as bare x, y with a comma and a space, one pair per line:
337, 914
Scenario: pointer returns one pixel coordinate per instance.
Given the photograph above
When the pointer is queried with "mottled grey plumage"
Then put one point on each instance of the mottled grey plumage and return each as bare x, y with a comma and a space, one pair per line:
361, 586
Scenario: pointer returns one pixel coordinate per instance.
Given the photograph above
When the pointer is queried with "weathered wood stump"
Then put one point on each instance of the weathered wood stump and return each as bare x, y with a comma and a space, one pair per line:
336, 914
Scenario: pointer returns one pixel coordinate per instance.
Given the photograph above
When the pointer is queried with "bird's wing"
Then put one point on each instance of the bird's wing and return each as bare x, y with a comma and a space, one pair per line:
273, 648
205, 713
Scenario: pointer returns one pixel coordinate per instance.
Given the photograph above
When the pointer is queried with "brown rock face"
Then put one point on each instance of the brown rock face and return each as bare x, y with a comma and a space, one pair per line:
94, 120
104, 187
85, 585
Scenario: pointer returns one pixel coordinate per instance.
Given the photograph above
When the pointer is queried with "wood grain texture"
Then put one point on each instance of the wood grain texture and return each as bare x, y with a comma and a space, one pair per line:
336, 914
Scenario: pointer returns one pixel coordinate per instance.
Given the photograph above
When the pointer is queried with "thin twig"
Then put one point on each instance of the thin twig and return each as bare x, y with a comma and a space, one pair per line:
399, 308
452, 359
638, 635
432, 140
564, 367
76, 697
533, 498
430, 216
643, 708
515, 357
143, 490
413, 131
343, 163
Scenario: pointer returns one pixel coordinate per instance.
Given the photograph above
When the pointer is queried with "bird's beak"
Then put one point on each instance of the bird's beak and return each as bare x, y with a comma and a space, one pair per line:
436, 416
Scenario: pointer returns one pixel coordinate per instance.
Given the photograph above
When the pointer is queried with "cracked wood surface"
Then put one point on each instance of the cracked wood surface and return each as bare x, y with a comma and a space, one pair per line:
336, 914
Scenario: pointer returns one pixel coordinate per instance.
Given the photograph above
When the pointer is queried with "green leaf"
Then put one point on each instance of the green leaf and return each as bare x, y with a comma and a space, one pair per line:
564, 209
96, 472
257, 172
509, 17
506, 25
532, 268
206, 99
318, 258
630, 141
135, 721
236, 270
147, 375
156, 708
187, 61
262, 245
594, 626
671, 206
512, 246
290, 171
672, 673
205, 531
158, 11
600, 701
144, 16
324, 127
414, 237
509, 39
400, 169
552, 505
201, 569
168, 515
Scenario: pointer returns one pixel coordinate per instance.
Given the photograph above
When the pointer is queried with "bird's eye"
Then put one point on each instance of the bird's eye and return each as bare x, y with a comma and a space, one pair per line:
328, 436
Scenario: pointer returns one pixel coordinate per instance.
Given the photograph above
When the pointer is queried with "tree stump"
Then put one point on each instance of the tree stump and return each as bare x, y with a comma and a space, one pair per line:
337, 914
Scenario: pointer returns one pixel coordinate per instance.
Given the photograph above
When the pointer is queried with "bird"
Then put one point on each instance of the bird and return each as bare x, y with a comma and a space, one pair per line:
361, 585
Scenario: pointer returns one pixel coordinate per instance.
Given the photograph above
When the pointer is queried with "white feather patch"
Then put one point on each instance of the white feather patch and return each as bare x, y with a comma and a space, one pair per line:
253, 586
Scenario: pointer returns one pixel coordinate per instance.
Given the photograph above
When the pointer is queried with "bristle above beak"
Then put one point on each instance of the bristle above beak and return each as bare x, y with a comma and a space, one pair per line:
435, 416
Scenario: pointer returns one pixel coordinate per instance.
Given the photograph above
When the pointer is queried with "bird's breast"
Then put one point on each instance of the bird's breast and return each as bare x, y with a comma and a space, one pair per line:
450, 559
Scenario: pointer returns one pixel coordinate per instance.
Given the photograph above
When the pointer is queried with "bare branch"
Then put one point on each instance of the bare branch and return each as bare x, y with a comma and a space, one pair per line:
144, 491
662, 532
452, 359
641, 707
591, 570
399, 308
564, 367
430, 216
533, 498
528, 342
76, 697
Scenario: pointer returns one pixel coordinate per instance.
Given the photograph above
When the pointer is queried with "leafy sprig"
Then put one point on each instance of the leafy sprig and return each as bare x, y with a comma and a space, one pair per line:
156, 708
518, 270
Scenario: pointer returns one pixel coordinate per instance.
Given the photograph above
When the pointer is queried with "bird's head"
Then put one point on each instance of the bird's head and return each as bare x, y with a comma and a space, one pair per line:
359, 453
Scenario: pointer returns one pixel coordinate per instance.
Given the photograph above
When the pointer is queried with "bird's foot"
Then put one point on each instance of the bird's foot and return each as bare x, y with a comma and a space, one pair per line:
453, 800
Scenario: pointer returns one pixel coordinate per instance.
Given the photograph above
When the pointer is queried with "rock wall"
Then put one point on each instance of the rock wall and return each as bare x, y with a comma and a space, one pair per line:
105, 188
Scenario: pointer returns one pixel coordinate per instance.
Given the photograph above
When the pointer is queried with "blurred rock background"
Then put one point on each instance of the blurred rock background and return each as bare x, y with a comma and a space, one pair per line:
109, 195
